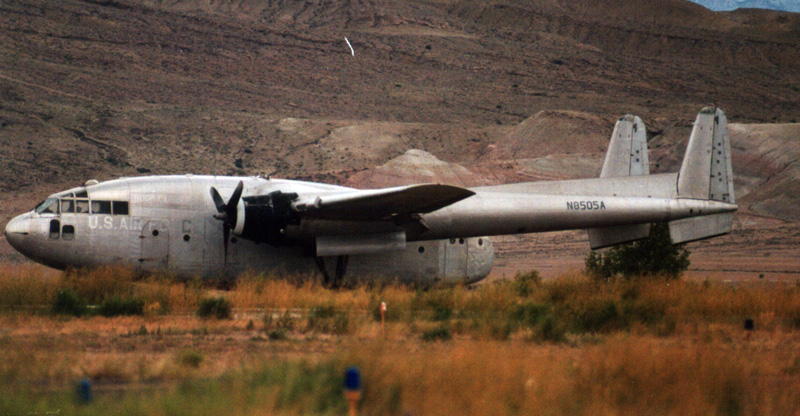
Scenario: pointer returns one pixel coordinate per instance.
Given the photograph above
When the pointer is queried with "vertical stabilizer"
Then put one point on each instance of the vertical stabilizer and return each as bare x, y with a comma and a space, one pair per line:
706, 173
627, 152
626, 156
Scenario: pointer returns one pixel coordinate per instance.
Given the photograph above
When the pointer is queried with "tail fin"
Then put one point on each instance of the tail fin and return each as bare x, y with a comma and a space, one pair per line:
627, 152
706, 173
626, 156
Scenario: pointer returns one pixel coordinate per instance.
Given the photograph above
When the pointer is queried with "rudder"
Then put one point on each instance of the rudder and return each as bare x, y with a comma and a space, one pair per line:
626, 156
706, 173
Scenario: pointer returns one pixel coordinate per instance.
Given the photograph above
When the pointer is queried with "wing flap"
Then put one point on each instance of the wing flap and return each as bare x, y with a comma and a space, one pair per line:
381, 203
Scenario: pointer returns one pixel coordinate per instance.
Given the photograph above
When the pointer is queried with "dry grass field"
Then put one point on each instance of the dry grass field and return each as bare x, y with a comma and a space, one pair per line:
564, 346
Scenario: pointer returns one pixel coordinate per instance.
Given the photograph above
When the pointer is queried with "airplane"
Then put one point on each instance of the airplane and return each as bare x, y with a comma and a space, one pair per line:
217, 227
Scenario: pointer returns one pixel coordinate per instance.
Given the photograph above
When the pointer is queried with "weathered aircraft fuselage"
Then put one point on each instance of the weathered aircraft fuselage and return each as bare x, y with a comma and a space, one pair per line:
220, 226
164, 222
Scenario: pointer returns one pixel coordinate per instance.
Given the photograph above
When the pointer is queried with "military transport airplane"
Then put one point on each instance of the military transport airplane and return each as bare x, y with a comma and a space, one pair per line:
216, 226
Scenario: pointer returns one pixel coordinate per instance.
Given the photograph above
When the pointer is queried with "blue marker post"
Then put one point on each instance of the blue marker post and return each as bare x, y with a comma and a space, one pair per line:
352, 390
84, 391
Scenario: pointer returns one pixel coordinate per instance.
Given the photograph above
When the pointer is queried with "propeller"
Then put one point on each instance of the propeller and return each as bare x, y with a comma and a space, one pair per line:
227, 213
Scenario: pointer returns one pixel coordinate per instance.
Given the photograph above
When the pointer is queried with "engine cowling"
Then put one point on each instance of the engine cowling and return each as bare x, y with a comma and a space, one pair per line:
263, 218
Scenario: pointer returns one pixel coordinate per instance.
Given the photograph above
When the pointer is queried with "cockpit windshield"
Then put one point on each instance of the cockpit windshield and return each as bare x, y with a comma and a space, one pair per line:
49, 206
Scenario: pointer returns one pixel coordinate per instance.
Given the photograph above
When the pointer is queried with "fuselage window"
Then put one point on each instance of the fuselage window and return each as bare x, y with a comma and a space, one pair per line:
67, 206
101, 207
82, 206
120, 207
49, 206
55, 229
68, 232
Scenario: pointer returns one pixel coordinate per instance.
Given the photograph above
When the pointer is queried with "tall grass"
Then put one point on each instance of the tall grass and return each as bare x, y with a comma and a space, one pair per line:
562, 347
626, 375
572, 304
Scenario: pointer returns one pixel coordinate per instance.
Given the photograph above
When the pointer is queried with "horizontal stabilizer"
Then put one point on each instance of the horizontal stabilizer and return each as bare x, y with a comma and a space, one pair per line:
611, 236
698, 228
381, 203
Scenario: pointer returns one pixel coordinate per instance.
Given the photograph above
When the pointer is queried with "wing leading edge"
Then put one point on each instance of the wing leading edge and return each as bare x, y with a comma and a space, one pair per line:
380, 204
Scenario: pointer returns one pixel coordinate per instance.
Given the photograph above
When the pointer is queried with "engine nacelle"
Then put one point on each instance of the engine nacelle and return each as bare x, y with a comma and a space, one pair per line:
264, 218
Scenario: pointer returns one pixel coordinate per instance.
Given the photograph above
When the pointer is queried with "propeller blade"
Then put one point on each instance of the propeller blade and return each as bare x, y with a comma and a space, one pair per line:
218, 201
227, 213
226, 233
230, 209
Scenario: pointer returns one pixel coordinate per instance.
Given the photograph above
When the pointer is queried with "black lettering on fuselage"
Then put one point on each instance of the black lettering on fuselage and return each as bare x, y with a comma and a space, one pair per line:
585, 205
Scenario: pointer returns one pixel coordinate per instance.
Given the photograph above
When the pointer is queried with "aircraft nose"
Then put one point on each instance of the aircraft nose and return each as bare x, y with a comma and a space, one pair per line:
16, 231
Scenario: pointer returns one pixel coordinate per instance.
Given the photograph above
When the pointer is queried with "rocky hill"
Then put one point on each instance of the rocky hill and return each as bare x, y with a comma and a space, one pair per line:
487, 92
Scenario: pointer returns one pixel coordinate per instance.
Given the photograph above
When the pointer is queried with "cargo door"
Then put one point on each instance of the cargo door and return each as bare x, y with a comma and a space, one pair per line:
456, 259
155, 245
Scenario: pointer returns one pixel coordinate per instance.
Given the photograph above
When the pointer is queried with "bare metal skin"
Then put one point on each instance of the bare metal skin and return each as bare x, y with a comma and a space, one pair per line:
213, 226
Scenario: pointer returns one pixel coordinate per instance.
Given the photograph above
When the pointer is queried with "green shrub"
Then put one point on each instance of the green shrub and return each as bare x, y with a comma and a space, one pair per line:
540, 319
67, 302
190, 358
217, 307
440, 333
327, 319
277, 334
440, 302
524, 283
598, 315
117, 305
652, 256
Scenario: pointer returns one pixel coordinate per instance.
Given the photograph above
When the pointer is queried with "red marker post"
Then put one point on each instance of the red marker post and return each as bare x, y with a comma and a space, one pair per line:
383, 320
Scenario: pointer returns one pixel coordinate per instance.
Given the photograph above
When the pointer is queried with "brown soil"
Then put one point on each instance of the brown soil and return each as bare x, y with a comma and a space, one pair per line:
493, 92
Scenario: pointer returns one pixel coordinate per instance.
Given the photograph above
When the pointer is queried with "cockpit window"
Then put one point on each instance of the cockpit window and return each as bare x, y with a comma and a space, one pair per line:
82, 206
67, 206
101, 207
49, 206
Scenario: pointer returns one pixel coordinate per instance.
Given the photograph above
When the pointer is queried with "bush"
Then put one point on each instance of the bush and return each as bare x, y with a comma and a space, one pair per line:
440, 301
652, 256
327, 319
540, 319
440, 333
67, 302
598, 315
190, 358
117, 305
524, 283
218, 307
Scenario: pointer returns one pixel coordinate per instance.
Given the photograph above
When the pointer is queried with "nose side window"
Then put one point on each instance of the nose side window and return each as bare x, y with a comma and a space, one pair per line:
67, 206
68, 232
120, 207
101, 207
55, 229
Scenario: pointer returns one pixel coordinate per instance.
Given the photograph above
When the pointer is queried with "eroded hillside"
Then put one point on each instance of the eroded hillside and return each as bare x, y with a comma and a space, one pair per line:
488, 92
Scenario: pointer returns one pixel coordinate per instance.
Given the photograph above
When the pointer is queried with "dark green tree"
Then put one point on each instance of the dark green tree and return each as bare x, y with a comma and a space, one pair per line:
652, 256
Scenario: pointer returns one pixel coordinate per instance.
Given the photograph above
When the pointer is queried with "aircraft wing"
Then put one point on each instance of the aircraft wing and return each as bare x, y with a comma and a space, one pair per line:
381, 203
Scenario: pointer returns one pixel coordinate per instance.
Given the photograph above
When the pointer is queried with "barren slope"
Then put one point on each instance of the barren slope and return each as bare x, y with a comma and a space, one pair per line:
522, 90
